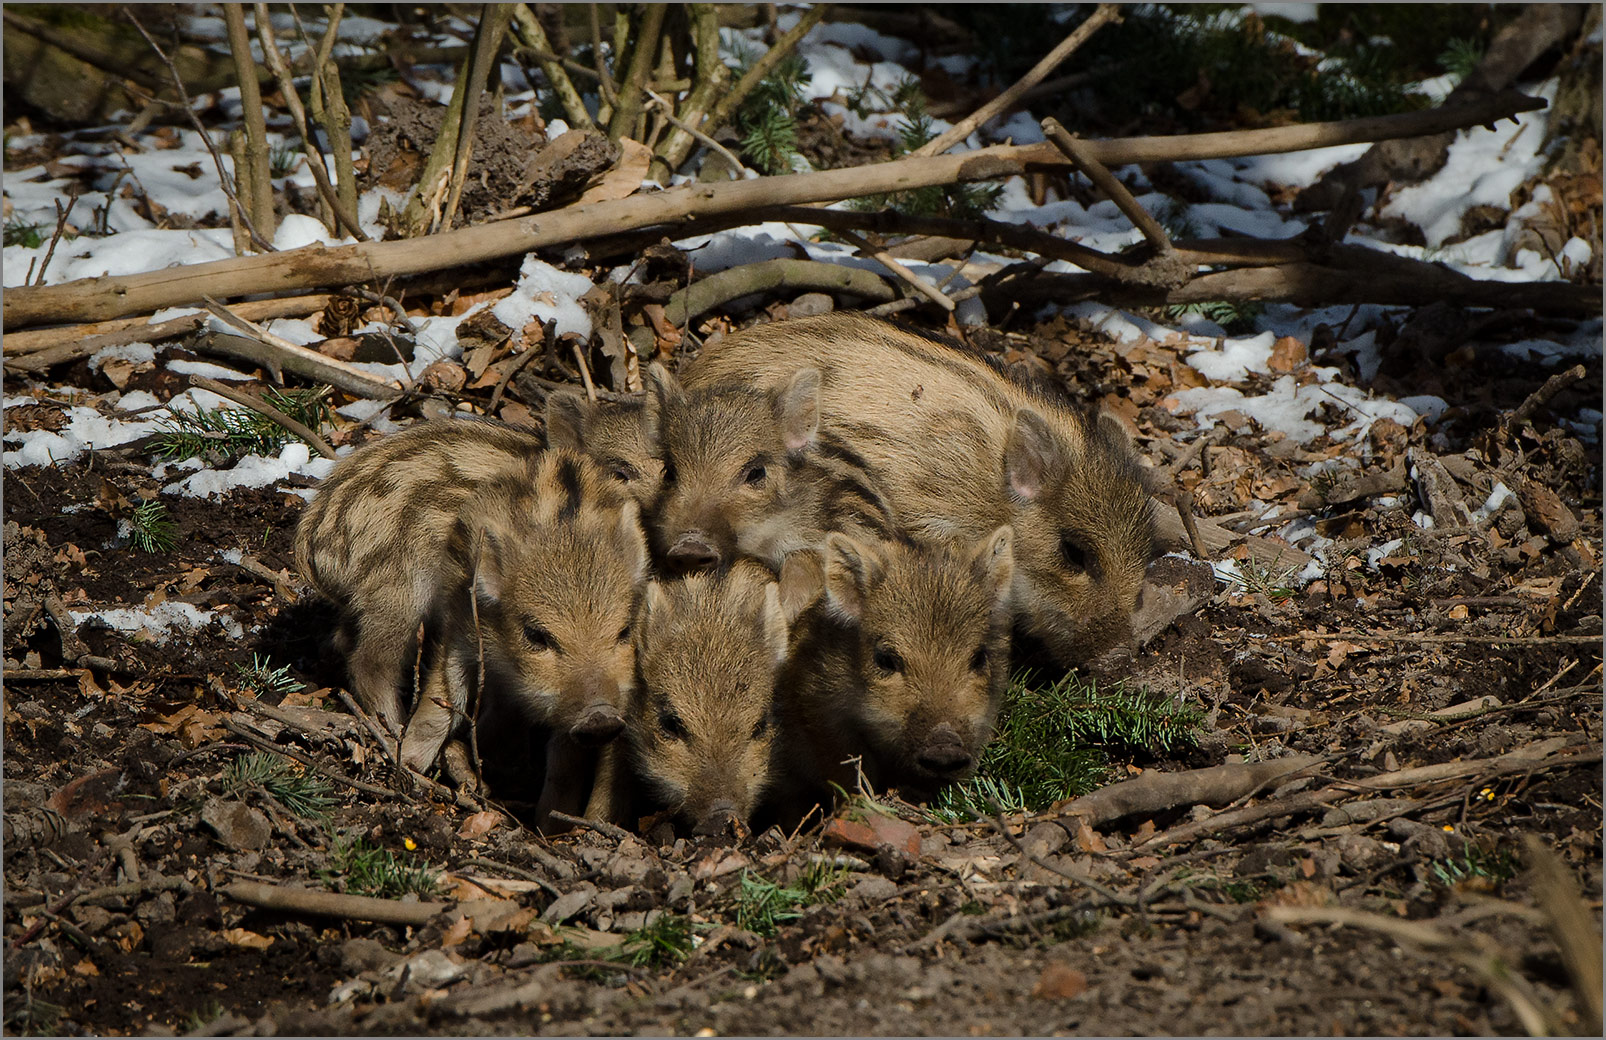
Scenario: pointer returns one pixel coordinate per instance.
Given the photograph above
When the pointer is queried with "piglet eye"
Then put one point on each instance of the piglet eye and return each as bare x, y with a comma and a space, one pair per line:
671, 726
761, 727
669, 472
1073, 553
887, 659
754, 474
624, 634
626, 473
978, 660
539, 638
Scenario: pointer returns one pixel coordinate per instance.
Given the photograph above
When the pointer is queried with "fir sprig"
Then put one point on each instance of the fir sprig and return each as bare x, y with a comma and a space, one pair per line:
231, 433
1053, 740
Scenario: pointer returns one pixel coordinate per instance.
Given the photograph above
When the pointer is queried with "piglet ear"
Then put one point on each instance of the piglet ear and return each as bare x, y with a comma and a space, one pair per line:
654, 601
663, 393
798, 411
566, 413
802, 582
994, 564
1033, 457
777, 636
849, 568
632, 540
481, 553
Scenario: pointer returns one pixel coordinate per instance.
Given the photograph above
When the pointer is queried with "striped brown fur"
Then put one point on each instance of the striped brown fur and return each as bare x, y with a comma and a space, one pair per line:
960, 449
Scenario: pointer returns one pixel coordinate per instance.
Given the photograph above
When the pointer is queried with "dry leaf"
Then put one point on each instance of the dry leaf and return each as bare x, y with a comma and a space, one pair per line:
480, 824
625, 177
1059, 982
190, 724
248, 939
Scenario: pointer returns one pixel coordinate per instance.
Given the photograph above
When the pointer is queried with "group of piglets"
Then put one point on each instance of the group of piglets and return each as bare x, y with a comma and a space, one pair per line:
799, 567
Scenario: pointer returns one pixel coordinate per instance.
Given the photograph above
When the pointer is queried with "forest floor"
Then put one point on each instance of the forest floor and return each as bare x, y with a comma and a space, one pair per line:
1410, 607
958, 936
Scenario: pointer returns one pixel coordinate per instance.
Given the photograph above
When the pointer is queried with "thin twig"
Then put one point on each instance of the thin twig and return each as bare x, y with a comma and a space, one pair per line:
61, 227
263, 408
387, 745
921, 285
585, 373
607, 830
1108, 183
206, 138
1051, 61
738, 171
518, 872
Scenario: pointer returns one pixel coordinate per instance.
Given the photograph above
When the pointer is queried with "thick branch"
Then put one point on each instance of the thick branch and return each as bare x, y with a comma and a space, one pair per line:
319, 266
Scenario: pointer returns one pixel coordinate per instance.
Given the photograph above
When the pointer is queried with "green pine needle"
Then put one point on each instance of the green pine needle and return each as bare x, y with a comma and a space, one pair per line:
151, 529
1052, 744
306, 794
231, 433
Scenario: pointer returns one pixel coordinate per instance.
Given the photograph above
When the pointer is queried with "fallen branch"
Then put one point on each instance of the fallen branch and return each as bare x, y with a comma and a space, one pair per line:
319, 266
263, 408
275, 354
332, 904
1156, 792
141, 330
768, 275
1544, 754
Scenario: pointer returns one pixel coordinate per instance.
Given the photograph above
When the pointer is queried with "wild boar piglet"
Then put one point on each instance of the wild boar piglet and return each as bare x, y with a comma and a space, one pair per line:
700, 728
546, 571
898, 668
746, 475
613, 434
374, 538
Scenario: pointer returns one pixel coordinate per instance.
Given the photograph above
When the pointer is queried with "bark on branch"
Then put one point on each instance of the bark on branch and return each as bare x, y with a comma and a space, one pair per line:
319, 266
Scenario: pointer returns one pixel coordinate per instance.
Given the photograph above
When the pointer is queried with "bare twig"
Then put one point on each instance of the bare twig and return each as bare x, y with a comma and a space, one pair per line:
206, 138
299, 359
921, 285
605, 87
263, 408
518, 872
61, 228
292, 100
1540, 397
602, 827
1051, 61
668, 111
585, 374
